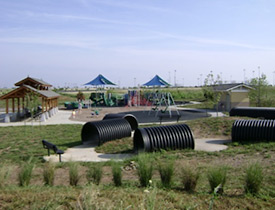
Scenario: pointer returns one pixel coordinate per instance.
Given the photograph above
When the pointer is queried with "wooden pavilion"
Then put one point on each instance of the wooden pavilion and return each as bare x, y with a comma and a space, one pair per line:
30, 86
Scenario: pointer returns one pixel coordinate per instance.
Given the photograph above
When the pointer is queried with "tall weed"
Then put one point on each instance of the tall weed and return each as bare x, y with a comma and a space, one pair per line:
253, 178
217, 178
166, 171
48, 173
94, 173
25, 173
117, 175
144, 169
189, 178
4, 174
73, 173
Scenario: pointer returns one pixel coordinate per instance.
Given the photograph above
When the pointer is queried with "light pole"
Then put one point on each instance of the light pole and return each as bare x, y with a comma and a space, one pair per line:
273, 78
243, 75
175, 78
259, 86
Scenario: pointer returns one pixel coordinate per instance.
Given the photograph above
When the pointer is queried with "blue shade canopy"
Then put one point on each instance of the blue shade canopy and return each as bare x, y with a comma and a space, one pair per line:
156, 81
100, 80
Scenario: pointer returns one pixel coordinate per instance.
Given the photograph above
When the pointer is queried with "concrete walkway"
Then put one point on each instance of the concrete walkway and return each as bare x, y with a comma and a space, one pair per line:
87, 153
61, 117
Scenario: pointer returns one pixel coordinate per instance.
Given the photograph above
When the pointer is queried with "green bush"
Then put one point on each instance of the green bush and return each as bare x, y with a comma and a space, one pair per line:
189, 178
73, 173
166, 171
117, 175
253, 178
94, 173
48, 173
217, 178
144, 169
25, 173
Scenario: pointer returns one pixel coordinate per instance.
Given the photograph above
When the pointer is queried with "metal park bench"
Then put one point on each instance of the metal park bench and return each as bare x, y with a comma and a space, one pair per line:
50, 146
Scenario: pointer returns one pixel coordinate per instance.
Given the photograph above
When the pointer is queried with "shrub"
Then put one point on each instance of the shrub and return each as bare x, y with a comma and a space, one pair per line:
166, 171
48, 174
144, 169
190, 178
253, 178
94, 173
73, 173
25, 173
217, 178
117, 175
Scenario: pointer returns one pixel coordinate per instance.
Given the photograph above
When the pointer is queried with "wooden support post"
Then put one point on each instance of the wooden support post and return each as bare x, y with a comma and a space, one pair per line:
18, 104
42, 104
23, 103
7, 106
46, 104
13, 107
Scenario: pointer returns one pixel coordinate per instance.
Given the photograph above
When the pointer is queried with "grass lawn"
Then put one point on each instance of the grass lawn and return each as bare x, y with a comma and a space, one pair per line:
18, 144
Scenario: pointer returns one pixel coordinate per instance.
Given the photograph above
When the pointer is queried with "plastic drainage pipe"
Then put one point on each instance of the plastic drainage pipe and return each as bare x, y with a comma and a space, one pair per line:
253, 130
98, 132
256, 112
129, 117
163, 137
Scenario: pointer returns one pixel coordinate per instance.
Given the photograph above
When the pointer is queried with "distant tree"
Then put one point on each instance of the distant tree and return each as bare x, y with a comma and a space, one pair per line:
80, 96
212, 96
31, 103
259, 95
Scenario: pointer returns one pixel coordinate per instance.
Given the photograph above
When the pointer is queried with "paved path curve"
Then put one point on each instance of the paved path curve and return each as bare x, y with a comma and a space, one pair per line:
87, 153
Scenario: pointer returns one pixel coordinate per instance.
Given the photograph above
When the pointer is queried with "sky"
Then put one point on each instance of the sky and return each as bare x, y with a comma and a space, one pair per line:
70, 42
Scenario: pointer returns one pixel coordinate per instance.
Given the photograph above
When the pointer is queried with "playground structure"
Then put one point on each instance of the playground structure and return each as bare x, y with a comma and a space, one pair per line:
160, 102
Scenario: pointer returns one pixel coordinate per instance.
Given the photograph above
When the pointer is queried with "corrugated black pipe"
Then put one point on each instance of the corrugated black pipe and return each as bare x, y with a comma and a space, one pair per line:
98, 132
129, 117
255, 112
253, 130
163, 137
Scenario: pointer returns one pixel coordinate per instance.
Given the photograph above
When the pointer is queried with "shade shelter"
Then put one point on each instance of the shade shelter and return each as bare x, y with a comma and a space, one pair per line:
30, 87
157, 81
100, 80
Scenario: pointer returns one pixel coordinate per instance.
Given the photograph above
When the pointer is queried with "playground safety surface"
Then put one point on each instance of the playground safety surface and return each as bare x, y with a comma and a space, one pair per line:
143, 114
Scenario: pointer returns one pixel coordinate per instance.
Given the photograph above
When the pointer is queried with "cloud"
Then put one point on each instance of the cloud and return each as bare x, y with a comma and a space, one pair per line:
56, 17
132, 5
217, 42
87, 44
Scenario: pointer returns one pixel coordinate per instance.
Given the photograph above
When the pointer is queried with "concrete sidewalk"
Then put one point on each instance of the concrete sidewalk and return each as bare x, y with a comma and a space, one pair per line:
61, 117
87, 153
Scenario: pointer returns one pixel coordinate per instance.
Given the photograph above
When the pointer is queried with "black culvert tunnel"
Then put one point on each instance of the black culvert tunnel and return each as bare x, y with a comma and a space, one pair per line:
129, 117
253, 130
98, 132
255, 112
168, 137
